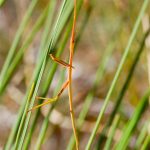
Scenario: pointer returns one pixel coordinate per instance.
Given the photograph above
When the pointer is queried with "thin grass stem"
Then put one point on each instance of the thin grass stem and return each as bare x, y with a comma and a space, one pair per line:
130, 126
146, 143
15, 42
124, 88
88, 100
41, 66
124, 57
16, 61
112, 132
141, 136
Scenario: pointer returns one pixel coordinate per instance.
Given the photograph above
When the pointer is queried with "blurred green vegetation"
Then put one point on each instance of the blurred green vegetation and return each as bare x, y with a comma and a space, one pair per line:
30, 30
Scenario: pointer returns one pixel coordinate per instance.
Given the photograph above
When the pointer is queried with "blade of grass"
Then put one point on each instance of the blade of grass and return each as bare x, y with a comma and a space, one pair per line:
124, 88
146, 143
46, 120
41, 65
16, 61
26, 108
47, 84
112, 132
49, 80
38, 67
50, 77
99, 74
141, 136
11, 69
127, 132
15, 43
14, 130
135, 28
68, 8
1, 2
89, 97
43, 45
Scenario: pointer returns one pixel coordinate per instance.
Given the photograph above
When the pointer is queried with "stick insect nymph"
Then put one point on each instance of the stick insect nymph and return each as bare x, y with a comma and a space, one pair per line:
68, 82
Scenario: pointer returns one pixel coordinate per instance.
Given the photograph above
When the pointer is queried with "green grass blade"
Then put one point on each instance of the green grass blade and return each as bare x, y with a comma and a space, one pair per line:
141, 136
40, 69
16, 61
48, 82
25, 110
111, 133
1, 2
124, 88
14, 64
143, 103
136, 26
53, 68
146, 143
14, 130
15, 42
43, 45
46, 120
22, 107
89, 97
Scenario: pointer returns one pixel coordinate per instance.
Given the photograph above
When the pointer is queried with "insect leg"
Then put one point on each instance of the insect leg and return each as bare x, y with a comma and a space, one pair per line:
61, 62
50, 100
